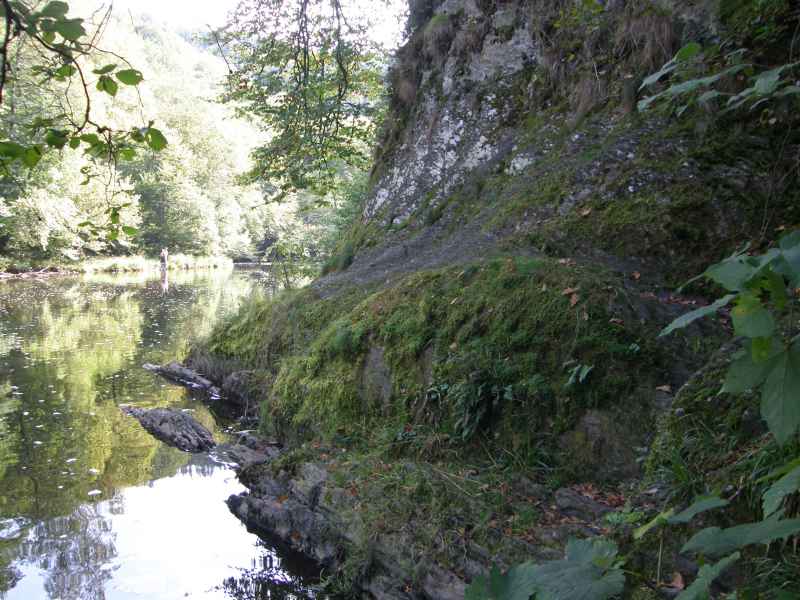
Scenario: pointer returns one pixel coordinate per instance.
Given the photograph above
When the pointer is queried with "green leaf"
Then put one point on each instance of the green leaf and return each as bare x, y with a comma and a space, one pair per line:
74, 143
104, 70
56, 138
155, 139
691, 317
11, 150
70, 29
65, 71
55, 10
657, 521
688, 52
732, 273
747, 373
127, 153
700, 505
107, 85
130, 76
514, 585
708, 573
714, 541
32, 156
587, 573
128, 230
772, 499
751, 319
780, 399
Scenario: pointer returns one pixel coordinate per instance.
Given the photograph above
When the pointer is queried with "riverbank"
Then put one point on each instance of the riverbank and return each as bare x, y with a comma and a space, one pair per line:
110, 264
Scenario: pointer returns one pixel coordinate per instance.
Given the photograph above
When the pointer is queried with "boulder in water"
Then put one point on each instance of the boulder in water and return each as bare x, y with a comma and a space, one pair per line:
173, 427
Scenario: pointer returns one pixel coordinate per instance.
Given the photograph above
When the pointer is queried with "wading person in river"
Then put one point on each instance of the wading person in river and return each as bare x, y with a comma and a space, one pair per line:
164, 258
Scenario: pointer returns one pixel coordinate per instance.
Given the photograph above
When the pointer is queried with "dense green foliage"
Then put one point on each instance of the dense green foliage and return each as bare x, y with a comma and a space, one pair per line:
177, 189
309, 75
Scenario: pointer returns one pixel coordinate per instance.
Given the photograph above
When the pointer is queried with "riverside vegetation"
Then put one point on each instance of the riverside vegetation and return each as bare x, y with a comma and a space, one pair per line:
502, 385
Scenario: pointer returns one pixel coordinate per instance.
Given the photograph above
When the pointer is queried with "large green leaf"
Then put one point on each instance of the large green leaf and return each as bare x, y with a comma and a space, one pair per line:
107, 85
514, 585
105, 70
55, 10
588, 572
70, 29
690, 317
772, 499
780, 398
155, 139
708, 573
745, 373
732, 273
751, 319
700, 505
714, 541
130, 76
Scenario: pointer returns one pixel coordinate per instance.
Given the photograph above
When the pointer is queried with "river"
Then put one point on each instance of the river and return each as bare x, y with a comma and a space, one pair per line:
91, 506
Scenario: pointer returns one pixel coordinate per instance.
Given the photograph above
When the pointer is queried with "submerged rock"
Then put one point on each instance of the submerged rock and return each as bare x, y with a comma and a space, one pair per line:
173, 427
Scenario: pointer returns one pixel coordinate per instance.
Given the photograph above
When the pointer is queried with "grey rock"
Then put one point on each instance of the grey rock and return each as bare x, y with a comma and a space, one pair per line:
575, 504
173, 427
246, 457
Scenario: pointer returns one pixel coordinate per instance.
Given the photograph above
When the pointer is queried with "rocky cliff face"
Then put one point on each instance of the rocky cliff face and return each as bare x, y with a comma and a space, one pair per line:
517, 256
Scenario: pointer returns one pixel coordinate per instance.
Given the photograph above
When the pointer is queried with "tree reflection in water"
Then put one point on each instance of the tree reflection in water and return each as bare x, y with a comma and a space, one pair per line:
74, 552
270, 579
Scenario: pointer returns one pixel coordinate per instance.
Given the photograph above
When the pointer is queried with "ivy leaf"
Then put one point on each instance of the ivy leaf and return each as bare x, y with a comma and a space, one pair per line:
155, 139
700, 505
691, 317
107, 85
708, 573
714, 541
130, 76
780, 399
773, 498
70, 29
751, 319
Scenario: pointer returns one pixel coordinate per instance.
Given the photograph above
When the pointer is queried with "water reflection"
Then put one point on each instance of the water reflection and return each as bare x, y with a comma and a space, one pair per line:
71, 351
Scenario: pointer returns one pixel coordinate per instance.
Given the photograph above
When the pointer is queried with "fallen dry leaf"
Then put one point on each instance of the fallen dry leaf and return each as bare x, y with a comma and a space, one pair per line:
586, 211
574, 299
616, 321
677, 582
667, 389
636, 275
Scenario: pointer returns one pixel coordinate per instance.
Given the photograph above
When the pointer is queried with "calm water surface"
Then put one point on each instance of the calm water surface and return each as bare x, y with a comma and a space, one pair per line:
91, 506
